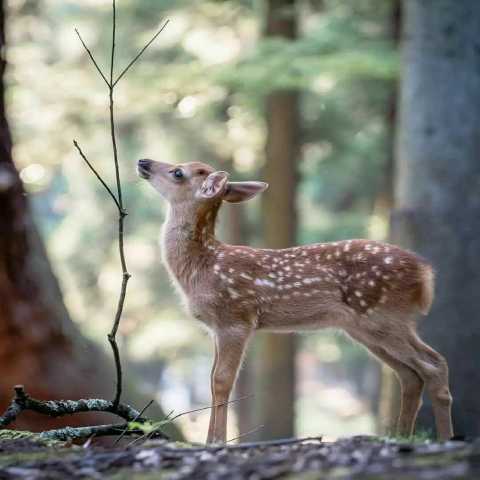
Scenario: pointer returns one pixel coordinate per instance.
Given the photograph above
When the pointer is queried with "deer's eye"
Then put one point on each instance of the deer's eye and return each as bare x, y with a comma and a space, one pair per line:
177, 173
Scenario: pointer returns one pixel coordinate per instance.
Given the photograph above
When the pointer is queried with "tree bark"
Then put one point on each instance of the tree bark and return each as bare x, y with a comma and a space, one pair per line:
275, 354
40, 346
437, 184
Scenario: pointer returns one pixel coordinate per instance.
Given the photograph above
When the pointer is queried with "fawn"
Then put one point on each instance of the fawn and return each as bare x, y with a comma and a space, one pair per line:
373, 291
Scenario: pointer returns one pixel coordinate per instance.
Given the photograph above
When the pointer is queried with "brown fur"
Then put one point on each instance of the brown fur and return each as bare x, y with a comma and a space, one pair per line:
371, 290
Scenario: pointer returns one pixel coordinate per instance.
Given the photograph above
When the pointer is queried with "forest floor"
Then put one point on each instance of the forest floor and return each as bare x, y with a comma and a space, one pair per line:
25, 457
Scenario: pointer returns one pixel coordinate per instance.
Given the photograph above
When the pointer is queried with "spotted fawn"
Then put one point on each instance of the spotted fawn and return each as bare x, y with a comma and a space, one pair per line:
372, 291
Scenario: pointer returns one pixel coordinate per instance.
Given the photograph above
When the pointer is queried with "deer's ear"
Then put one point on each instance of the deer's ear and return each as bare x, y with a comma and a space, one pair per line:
242, 191
214, 185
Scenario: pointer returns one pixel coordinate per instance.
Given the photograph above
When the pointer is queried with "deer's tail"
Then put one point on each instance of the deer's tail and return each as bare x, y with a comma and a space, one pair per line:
427, 288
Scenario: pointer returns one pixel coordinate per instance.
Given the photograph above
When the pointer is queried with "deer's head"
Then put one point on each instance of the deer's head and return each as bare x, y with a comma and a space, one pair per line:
196, 183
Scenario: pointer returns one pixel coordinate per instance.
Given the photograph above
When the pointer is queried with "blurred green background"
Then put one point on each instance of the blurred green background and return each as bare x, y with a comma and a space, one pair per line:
199, 94
204, 91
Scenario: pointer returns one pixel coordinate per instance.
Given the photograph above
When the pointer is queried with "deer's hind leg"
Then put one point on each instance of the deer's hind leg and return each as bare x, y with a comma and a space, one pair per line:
411, 385
433, 368
400, 341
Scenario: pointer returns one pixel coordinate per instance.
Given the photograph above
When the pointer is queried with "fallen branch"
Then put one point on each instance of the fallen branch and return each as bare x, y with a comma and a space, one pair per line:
58, 408
247, 445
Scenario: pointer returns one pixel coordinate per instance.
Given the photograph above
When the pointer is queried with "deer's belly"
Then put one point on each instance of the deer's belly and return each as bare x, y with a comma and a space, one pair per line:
274, 323
292, 320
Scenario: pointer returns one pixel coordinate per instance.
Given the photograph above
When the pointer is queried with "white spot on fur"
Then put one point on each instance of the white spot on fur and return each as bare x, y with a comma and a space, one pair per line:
233, 293
358, 293
265, 282
246, 276
388, 260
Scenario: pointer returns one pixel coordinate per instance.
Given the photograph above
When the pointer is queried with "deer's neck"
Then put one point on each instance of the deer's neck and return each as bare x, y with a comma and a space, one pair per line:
188, 241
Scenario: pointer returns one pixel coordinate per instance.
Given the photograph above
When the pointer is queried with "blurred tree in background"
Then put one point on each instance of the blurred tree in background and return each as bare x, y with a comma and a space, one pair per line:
207, 91
437, 195
275, 354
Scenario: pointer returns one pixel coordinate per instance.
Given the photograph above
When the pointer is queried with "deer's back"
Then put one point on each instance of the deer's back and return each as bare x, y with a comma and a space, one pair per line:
317, 284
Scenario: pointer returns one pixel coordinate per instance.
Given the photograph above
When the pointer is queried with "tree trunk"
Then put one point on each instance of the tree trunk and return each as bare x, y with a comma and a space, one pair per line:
388, 407
40, 346
438, 183
275, 354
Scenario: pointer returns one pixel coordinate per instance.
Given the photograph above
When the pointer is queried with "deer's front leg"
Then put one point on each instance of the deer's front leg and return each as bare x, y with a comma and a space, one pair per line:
212, 389
230, 346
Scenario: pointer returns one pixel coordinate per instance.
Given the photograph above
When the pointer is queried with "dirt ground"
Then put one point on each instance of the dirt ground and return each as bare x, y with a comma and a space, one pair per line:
369, 458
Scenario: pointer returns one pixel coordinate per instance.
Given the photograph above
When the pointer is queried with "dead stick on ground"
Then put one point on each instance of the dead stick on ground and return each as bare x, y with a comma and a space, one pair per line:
58, 408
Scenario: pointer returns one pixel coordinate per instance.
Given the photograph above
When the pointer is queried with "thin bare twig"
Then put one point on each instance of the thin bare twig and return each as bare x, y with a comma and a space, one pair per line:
100, 179
134, 420
245, 434
132, 62
92, 58
122, 214
118, 199
149, 435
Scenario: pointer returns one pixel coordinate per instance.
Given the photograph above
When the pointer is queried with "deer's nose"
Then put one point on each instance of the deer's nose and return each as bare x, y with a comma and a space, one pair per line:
145, 164
143, 168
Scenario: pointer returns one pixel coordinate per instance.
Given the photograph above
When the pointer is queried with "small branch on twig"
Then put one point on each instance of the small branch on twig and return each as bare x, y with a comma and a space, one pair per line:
92, 58
100, 179
127, 68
